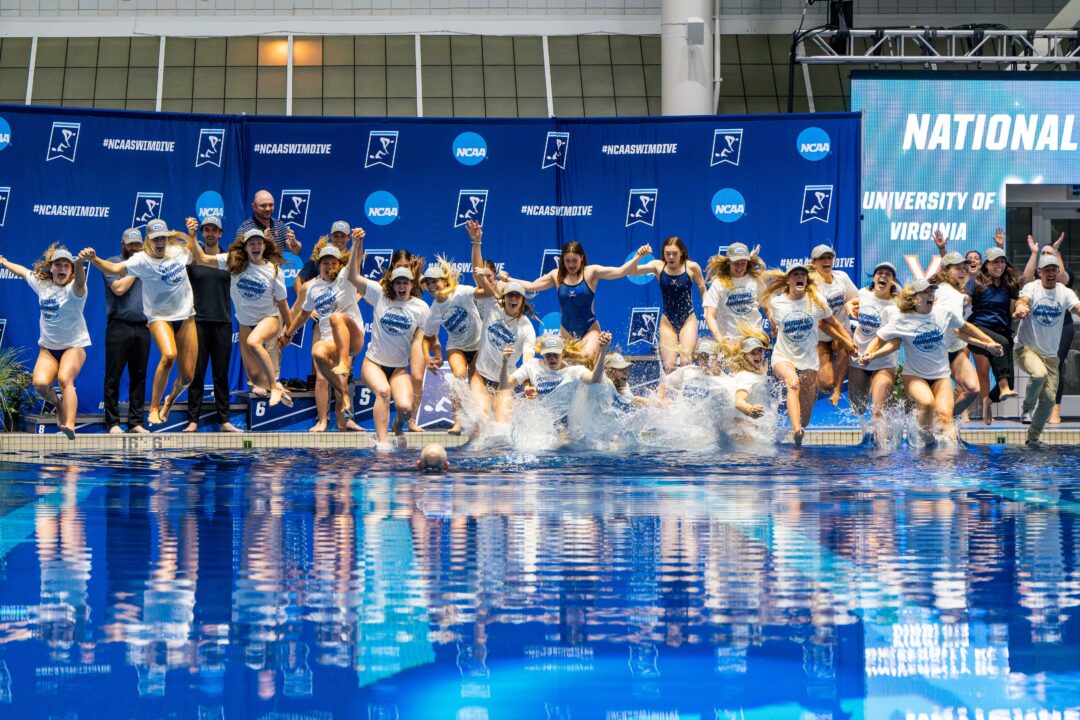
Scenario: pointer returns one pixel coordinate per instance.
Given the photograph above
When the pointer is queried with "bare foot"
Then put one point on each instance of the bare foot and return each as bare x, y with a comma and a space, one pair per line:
797, 436
455, 430
351, 426
1055, 416
275, 394
191, 427
116, 430
259, 392
153, 417
138, 430
1007, 393
69, 431
286, 398
413, 427
964, 417
399, 434
166, 406
230, 428
318, 427
987, 412
835, 397
341, 369
346, 407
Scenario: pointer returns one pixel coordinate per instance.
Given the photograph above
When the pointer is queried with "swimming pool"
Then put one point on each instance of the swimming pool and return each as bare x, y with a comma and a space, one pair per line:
318, 585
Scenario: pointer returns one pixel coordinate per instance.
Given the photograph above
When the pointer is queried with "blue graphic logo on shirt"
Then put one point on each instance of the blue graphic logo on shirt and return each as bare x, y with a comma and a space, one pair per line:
728, 205
928, 337
395, 322
813, 143
797, 326
251, 288
457, 320
325, 302
869, 320
546, 384
835, 299
499, 335
1047, 312
740, 300
470, 148
50, 308
172, 272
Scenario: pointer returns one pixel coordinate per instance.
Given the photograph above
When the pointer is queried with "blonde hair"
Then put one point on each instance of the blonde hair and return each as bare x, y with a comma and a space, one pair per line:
719, 268
776, 280
323, 242
452, 275
905, 299
732, 348
573, 352
42, 269
175, 238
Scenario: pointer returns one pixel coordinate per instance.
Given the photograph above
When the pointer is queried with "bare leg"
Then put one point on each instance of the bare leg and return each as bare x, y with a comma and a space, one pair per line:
45, 371
825, 366
790, 377
481, 395
267, 329
459, 366
71, 363
401, 385
322, 403
982, 370
967, 382
187, 353
881, 389
840, 370
417, 369
669, 345
923, 397
162, 333
373, 376
944, 406
807, 394
325, 354
859, 382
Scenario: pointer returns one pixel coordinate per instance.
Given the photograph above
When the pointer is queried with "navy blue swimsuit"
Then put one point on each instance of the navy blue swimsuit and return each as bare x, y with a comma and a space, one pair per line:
576, 306
675, 290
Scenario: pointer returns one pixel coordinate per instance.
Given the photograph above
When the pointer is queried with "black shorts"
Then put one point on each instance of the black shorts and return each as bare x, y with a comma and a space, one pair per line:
57, 354
388, 371
953, 356
177, 324
490, 385
470, 355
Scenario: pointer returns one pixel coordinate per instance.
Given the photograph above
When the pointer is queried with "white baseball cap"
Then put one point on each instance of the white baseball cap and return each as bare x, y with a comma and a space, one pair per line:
616, 361
61, 254
401, 272
887, 265
211, 220
738, 251
820, 250
551, 344
993, 254
796, 266
132, 235
254, 233
156, 229
952, 258
330, 251
705, 347
749, 344
1047, 260
921, 285
514, 287
340, 226
434, 272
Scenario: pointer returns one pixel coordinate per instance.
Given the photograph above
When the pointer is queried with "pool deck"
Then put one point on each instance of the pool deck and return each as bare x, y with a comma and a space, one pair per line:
15, 446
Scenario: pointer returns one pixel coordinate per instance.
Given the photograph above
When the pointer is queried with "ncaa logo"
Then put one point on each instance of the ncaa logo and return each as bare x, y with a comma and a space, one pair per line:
471, 205
5, 193
555, 148
211, 142
381, 148
813, 143
644, 324
550, 261
294, 207
641, 207
728, 205
63, 141
147, 208
381, 207
816, 203
469, 149
376, 263
209, 203
726, 147
5, 133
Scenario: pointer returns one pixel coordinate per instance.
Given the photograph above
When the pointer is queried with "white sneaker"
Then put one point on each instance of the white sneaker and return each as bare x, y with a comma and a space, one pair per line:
1025, 418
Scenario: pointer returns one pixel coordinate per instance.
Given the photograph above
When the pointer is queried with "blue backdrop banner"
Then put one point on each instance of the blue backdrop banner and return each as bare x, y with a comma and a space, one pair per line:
82, 176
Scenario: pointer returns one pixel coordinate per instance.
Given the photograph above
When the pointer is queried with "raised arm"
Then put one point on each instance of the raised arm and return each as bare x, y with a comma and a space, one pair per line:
358, 280
14, 268
598, 370
1033, 260
485, 287
652, 267
80, 276
109, 268
939, 240
603, 272
1063, 276
544, 282
197, 255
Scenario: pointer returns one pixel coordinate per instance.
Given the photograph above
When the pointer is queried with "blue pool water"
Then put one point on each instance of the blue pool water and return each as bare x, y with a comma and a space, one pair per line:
817, 583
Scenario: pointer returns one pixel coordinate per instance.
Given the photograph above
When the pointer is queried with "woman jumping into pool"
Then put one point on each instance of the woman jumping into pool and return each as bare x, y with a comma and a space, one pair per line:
397, 333
575, 279
332, 299
677, 275
921, 327
169, 306
796, 310
735, 282
258, 293
60, 284
872, 308
745, 356
837, 289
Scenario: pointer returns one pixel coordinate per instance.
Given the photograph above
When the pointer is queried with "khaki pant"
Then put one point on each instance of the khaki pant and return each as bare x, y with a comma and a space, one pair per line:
1041, 389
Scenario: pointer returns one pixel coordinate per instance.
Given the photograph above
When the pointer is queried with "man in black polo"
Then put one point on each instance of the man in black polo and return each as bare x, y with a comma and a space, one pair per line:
213, 323
262, 218
127, 340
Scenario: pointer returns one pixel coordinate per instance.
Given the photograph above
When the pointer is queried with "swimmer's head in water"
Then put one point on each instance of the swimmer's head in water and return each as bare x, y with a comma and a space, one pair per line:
433, 459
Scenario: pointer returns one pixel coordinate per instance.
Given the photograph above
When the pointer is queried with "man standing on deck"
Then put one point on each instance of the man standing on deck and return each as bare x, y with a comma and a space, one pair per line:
127, 340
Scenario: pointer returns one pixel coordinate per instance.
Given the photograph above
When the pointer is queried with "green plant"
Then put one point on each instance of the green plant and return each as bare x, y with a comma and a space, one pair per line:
15, 389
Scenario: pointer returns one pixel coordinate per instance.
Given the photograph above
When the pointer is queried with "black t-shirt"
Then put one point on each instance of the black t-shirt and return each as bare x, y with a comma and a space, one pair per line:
309, 272
211, 289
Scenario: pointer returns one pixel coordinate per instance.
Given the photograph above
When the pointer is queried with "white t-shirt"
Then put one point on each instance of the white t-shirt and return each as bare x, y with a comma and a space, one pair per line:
874, 313
960, 304
166, 290
555, 388
461, 318
621, 400
256, 291
796, 323
498, 331
836, 295
393, 327
757, 389
1041, 329
324, 298
738, 303
924, 339
61, 324
692, 382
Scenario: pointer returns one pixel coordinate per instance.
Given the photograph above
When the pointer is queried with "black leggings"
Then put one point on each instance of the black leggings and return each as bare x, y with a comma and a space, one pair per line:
1002, 367
1067, 332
